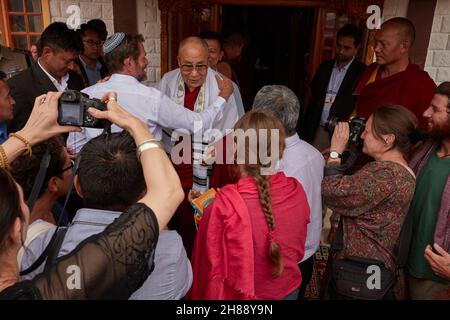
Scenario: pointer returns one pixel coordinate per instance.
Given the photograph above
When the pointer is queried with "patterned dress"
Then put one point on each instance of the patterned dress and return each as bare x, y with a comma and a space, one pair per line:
373, 204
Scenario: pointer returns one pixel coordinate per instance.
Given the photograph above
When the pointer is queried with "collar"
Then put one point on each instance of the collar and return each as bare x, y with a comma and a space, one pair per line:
124, 78
97, 216
98, 65
345, 68
292, 140
63, 79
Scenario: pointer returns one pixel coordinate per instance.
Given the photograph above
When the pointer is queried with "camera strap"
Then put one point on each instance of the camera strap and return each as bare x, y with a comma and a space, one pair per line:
55, 241
37, 186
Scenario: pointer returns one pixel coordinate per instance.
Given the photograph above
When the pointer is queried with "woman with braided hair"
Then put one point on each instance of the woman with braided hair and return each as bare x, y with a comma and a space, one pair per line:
253, 234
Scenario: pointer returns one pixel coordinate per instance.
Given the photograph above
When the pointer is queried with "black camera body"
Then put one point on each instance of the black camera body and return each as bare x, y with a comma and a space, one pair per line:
72, 110
357, 127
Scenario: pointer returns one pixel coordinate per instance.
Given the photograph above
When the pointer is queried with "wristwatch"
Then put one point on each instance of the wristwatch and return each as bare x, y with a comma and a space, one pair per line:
335, 155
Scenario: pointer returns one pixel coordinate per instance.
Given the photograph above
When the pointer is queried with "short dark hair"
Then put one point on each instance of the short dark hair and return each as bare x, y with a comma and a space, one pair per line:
3, 75
351, 30
58, 36
110, 175
89, 27
444, 89
128, 48
25, 168
10, 208
212, 35
101, 26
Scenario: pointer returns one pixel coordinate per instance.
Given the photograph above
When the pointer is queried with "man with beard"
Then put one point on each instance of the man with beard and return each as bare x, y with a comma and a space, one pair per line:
429, 274
332, 88
393, 79
126, 60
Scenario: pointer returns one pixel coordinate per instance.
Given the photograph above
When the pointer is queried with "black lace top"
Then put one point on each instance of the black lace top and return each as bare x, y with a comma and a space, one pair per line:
110, 265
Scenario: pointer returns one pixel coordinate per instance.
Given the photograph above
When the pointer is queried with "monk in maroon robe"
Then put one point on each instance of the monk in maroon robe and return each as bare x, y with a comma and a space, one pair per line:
393, 79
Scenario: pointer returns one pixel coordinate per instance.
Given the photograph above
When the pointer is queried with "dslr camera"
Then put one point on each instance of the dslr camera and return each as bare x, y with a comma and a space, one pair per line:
357, 126
72, 109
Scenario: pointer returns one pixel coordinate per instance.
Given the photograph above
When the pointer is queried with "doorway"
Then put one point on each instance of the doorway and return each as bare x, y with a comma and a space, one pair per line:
278, 44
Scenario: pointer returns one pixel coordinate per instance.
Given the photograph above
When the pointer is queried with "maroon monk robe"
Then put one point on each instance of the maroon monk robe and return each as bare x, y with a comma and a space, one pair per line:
183, 220
412, 88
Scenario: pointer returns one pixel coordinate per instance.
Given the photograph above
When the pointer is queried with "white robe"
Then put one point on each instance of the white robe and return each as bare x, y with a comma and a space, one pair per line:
233, 109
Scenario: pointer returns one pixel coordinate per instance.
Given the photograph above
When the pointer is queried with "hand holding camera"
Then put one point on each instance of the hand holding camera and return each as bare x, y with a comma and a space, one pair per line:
73, 106
340, 137
42, 124
356, 128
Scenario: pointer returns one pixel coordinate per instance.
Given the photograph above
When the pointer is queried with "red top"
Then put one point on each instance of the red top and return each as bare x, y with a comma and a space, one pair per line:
412, 88
231, 252
185, 170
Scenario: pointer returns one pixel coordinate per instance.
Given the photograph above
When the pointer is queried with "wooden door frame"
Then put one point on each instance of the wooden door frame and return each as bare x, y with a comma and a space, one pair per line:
180, 5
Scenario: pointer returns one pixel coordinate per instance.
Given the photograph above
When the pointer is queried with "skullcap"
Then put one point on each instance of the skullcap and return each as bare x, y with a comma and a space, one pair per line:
113, 42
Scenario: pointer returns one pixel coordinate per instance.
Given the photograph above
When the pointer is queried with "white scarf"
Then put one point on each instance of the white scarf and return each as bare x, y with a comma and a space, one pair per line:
201, 173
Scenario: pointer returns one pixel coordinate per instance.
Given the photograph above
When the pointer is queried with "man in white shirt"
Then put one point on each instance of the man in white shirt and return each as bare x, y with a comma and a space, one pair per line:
301, 161
126, 59
58, 47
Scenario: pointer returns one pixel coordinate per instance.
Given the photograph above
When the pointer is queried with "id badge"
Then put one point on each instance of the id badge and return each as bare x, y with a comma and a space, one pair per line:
329, 99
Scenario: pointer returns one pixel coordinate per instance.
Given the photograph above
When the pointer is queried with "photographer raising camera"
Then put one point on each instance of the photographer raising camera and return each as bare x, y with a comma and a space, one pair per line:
373, 204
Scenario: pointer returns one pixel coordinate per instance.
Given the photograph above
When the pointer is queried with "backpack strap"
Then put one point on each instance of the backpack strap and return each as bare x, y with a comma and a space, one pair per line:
54, 248
34, 231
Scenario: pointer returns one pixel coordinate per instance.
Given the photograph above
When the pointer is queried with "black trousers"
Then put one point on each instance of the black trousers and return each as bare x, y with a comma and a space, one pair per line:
306, 268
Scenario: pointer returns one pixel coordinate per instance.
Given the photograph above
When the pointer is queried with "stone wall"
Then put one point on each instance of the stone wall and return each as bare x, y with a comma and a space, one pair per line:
395, 8
438, 57
149, 25
90, 9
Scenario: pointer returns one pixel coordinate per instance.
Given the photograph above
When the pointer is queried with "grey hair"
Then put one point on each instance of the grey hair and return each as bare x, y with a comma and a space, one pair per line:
282, 102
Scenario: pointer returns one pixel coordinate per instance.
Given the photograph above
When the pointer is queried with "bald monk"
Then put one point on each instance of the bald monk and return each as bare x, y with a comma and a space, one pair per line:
393, 78
194, 85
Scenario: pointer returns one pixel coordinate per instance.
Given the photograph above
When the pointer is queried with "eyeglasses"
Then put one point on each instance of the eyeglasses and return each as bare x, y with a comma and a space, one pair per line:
93, 44
188, 68
69, 167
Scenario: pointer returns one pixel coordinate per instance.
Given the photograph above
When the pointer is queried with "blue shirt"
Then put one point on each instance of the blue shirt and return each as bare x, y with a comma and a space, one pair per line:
93, 75
337, 76
170, 280
3, 133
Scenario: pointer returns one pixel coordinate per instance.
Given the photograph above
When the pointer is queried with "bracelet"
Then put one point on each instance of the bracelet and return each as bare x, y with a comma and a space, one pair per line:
4, 163
27, 143
147, 145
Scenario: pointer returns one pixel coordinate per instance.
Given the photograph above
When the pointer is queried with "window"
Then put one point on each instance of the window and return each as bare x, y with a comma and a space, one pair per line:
23, 21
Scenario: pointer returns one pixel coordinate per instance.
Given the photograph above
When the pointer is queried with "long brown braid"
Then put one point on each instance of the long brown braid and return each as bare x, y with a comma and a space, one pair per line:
258, 120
